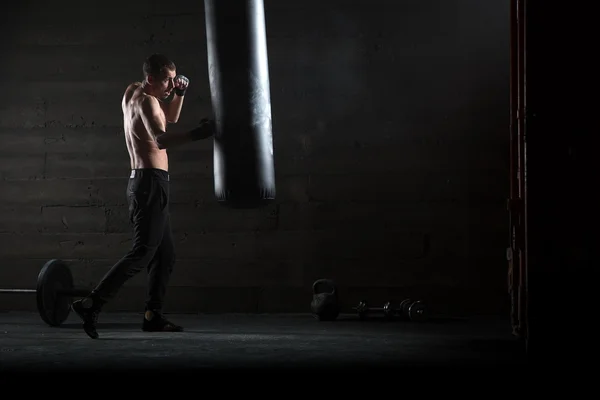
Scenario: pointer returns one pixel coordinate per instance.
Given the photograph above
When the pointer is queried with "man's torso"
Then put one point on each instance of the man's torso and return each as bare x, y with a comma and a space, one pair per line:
141, 145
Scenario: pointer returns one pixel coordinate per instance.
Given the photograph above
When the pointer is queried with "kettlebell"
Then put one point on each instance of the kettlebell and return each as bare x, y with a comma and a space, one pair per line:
325, 305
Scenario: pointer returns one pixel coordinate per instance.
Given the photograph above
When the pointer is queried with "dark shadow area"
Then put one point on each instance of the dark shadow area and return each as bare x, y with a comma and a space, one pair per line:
513, 346
106, 325
383, 320
263, 341
562, 173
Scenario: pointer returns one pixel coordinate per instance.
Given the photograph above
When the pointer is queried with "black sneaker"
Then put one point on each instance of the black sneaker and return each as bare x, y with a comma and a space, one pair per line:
89, 316
158, 323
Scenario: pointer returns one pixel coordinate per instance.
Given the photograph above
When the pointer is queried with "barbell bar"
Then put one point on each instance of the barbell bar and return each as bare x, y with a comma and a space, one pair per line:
54, 292
60, 292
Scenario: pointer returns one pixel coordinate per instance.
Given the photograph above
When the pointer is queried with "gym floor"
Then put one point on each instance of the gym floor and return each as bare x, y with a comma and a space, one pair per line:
254, 341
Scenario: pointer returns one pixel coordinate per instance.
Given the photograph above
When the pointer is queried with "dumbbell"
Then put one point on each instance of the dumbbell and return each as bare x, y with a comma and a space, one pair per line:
364, 310
408, 309
413, 310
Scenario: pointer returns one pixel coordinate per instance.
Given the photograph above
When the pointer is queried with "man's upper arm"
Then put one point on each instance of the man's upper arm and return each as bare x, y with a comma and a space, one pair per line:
152, 116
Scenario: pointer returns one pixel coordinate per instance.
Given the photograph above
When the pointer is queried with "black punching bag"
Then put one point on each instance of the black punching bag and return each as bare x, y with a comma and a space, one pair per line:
244, 175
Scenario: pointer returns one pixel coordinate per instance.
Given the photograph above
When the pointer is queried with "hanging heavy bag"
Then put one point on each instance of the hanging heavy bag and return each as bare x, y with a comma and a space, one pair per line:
244, 175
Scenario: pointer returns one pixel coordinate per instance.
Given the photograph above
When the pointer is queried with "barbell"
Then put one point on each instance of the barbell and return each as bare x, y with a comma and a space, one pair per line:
54, 292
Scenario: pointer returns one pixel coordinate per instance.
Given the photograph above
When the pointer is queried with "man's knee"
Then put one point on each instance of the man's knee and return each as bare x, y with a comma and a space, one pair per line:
142, 255
169, 260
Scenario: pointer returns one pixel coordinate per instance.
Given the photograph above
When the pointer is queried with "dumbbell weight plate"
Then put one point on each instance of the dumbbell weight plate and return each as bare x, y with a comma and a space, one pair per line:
417, 311
388, 311
404, 306
54, 277
361, 309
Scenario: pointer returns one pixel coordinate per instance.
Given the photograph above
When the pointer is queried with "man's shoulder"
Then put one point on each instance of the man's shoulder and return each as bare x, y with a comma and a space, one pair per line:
133, 86
131, 89
146, 104
132, 96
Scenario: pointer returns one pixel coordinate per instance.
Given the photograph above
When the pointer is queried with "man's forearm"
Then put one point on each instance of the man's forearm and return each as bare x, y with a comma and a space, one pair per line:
173, 109
204, 131
170, 139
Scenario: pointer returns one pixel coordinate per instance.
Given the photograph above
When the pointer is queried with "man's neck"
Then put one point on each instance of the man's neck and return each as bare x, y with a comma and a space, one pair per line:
146, 88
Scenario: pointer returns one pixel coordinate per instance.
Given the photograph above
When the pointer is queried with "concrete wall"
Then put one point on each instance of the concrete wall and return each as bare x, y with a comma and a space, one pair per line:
390, 124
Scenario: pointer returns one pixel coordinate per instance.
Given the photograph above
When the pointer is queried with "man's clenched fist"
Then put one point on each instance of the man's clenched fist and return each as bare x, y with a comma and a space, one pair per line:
205, 130
181, 84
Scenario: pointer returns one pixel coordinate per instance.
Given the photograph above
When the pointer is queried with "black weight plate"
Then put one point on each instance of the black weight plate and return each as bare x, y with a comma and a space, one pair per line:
404, 305
55, 275
417, 311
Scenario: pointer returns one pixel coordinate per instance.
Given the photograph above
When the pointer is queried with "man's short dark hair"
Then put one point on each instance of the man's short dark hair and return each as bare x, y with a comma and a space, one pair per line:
156, 63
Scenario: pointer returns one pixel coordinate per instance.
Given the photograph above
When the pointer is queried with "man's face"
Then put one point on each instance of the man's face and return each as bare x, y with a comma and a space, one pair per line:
162, 84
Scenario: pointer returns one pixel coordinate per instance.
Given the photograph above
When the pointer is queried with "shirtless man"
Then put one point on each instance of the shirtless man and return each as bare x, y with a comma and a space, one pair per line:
145, 116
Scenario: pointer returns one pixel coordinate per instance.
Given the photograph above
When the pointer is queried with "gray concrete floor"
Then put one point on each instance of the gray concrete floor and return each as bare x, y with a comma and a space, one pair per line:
254, 341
